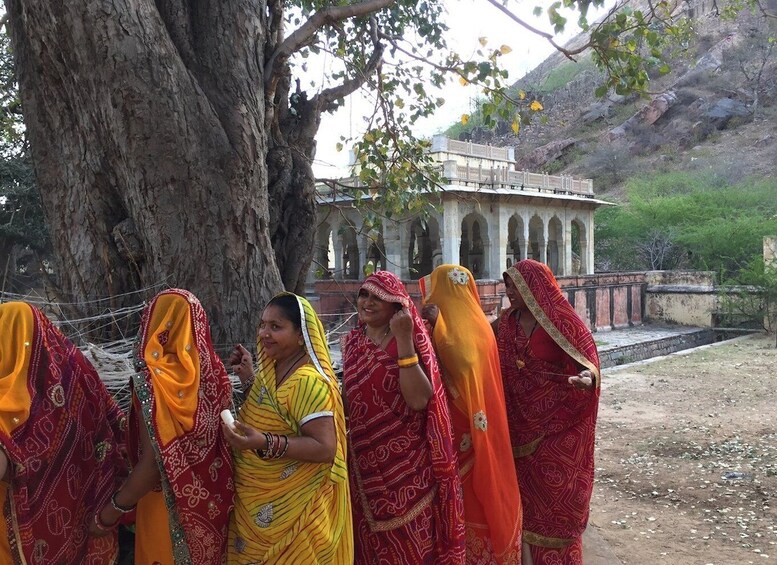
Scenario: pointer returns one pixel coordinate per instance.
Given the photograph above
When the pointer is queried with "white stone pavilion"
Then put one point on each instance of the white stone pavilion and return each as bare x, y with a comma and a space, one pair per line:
491, 216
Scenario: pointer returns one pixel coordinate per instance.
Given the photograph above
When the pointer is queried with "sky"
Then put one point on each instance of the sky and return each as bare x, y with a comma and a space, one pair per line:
468, 20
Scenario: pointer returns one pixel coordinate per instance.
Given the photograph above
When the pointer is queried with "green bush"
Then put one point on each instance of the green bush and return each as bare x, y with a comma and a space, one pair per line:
687, 220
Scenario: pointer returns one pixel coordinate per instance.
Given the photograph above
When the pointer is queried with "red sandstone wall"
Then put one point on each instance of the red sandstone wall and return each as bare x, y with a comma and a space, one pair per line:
604, 301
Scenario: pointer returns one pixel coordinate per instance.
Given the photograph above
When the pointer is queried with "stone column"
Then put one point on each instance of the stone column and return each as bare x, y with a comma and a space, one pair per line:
403, 229
451, 231
525, 242
589, 248
543, 241
499, 236
363, 243
566, 263
337, 241
393, 251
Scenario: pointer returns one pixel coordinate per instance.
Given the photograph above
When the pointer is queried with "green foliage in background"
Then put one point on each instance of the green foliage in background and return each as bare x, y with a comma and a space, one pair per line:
687, 220
751, 297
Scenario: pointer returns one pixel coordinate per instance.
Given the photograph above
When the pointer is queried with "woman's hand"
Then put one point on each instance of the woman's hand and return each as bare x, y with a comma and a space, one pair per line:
401, 324
583, 381
108, 518
242, 363
244, 437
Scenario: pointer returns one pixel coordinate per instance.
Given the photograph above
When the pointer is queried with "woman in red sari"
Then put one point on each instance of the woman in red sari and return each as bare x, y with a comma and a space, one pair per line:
550, 368
469, 362
181, 479
60, 445
405, 487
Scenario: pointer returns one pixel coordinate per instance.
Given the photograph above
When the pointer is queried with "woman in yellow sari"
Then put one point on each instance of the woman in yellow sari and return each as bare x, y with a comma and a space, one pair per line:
292, 501
469, 362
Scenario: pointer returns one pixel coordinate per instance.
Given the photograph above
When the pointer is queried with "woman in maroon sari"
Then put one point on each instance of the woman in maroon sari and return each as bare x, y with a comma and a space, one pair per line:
61, 442
550, 368
405, 487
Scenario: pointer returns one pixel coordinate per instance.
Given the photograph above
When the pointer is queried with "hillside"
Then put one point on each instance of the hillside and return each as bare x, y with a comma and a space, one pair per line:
716, 111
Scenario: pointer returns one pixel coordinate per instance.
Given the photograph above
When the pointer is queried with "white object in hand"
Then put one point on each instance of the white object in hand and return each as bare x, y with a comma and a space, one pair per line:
228, 418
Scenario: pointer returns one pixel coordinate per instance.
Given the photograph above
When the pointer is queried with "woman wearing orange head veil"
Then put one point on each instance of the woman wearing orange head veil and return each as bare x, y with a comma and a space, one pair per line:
60, 445
469, 362
550, 368
181, 480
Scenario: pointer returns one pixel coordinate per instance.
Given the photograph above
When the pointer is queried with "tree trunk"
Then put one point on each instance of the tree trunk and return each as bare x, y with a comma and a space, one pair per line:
147, 127
292, 184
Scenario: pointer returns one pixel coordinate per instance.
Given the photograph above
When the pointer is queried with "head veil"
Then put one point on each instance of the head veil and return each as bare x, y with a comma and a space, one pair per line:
540, 291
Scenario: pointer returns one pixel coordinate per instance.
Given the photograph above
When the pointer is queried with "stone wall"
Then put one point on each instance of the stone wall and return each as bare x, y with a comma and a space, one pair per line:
687, 298
605, 301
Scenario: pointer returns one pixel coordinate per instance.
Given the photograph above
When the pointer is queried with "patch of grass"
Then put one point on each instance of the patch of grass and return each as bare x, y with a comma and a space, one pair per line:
563, 75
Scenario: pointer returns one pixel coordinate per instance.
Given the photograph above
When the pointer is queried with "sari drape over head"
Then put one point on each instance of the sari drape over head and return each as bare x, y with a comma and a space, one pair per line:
405, 486
289, 511
179, 390
469, 360
552, 423
63, 435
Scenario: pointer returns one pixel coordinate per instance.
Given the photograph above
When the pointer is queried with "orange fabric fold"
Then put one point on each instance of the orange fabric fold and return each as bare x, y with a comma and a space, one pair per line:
170, 353
469, 357
15, 354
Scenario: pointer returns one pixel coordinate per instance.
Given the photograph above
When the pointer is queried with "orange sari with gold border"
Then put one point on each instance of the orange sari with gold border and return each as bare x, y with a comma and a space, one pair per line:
469, 362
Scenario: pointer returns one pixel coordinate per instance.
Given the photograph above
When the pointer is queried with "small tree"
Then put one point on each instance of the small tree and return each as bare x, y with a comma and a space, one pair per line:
753, 295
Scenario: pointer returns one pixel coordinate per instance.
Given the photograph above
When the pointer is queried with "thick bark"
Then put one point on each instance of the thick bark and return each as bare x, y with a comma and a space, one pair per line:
291, 184
147, 127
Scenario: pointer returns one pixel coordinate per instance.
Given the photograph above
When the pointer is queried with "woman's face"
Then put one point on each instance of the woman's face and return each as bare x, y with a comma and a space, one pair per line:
516, 300
279, 338
373, 311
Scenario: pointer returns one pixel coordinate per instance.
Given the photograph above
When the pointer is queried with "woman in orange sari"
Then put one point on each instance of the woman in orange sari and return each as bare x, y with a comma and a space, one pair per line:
60, 445
181, 480
469, 363
550, 368
405, 487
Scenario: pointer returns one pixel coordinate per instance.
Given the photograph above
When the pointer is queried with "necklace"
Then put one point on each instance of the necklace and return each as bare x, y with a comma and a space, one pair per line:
519, 362
286, 374
379, 344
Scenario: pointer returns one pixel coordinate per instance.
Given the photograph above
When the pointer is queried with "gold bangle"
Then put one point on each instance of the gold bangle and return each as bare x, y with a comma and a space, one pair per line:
413, 356
405, 362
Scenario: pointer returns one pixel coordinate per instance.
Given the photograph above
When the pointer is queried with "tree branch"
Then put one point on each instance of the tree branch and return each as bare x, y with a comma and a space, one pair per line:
307, 31
328, 96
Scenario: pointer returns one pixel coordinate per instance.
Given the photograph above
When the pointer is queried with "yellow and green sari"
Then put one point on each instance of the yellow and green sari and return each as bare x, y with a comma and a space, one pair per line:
289, 511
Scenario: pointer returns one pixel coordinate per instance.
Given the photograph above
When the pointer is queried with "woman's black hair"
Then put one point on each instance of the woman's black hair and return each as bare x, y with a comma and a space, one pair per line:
290, 307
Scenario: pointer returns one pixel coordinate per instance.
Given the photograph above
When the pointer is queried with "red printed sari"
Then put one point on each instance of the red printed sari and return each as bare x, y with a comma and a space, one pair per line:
405, 487
552, 423
179, 391
62, 433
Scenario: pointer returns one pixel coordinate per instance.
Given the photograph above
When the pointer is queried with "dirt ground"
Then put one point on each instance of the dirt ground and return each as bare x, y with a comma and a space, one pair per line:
687, 457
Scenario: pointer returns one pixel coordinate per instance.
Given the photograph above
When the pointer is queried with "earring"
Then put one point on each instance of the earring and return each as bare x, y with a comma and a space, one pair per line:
300, 343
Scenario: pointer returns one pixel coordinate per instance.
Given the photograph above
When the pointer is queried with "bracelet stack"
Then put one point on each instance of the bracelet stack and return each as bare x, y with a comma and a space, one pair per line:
407, 362
274, 449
